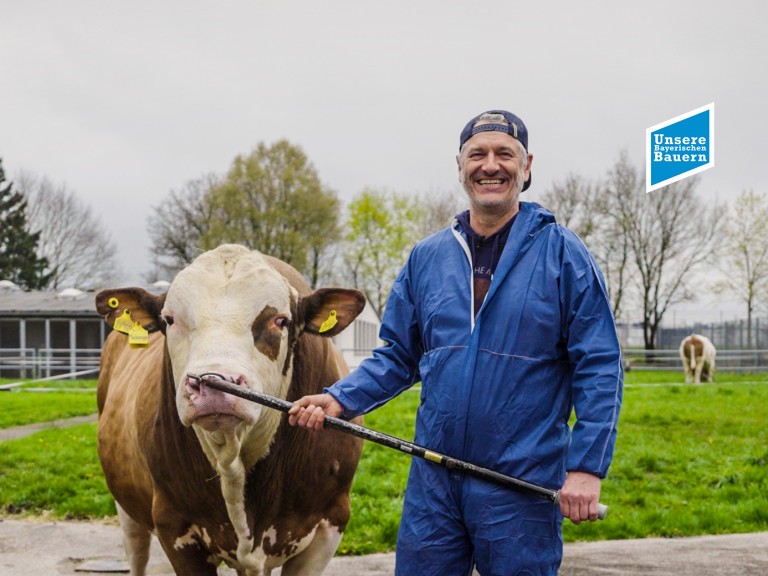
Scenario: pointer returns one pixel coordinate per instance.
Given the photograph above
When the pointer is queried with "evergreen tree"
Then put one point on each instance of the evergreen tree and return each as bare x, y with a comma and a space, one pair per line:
18, 246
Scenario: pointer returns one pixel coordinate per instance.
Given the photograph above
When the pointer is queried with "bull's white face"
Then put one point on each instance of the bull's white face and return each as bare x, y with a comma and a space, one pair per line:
230, 313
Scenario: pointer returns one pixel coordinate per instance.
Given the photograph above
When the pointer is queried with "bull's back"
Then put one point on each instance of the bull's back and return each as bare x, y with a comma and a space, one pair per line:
128, 396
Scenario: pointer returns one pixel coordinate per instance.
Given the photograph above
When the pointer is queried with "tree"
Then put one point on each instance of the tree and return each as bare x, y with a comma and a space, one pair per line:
744, 252
436, 210
648, 246
19, 261
271, 200
381, 228
77, 246
574, 204
178, 224
670, 233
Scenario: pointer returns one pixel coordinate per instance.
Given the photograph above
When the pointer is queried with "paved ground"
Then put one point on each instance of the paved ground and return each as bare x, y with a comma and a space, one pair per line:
32, 548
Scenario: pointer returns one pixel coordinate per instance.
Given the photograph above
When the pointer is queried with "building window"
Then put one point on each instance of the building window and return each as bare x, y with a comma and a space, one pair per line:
365, 336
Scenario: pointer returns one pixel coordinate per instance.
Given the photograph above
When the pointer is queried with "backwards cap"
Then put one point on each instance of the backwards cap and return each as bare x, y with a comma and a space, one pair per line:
514, 127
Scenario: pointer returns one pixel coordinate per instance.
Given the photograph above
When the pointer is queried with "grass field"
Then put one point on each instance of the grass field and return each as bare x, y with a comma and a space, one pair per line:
690, 460
20, 407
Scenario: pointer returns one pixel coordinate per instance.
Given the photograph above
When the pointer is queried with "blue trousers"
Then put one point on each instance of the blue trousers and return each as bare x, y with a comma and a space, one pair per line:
452, 523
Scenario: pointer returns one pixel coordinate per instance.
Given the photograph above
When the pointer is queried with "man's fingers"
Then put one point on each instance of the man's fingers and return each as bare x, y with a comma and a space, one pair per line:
316, 418
579, 510
593, 511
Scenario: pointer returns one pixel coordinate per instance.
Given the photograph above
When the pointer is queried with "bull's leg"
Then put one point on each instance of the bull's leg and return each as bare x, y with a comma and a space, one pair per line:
688, 373
699, 368
313, 560
136, 541
182, 542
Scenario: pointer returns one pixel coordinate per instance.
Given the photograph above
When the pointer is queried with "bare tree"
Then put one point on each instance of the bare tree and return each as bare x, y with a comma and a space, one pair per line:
178, 225
745, 252
670, 233
438, 208
574, 204
76, 244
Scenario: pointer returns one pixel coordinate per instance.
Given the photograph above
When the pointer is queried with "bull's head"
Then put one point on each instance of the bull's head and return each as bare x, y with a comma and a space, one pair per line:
232, 313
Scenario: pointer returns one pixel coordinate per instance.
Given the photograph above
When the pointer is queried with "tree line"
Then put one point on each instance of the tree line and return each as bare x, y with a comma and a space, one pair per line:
659, 249
654, 249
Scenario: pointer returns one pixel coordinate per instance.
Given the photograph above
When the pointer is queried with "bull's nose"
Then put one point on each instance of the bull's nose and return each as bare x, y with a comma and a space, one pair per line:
237, 379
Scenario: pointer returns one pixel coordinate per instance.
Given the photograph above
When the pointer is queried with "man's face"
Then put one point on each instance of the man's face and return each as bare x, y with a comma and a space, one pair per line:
493, 167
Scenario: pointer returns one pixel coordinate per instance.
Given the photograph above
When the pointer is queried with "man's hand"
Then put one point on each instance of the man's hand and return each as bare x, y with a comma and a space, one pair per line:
579, 497
309, 412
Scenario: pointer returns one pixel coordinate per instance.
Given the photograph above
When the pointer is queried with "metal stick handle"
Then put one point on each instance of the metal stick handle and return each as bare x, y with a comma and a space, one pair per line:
217, 382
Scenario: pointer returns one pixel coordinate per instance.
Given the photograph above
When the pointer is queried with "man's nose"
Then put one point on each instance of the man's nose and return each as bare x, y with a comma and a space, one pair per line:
491, 164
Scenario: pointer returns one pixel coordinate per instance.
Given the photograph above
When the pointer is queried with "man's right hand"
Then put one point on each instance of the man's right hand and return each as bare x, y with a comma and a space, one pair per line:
309, 412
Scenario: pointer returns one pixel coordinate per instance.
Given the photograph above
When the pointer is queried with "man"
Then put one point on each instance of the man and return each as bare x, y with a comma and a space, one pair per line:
505, 320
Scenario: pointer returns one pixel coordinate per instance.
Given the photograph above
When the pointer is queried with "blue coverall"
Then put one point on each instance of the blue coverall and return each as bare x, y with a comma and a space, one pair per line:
497, 390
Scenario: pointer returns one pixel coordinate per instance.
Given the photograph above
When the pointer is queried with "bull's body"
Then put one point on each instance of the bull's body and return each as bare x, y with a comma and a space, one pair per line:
698, 357
216, 478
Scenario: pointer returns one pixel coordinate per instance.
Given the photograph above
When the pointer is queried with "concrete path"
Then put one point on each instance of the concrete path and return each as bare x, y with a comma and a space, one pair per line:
33, 547
21, 431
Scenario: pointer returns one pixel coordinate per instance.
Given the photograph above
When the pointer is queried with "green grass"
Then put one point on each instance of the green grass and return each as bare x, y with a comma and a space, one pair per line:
18, 408
57, 384
689, 460
57, 472
377, 493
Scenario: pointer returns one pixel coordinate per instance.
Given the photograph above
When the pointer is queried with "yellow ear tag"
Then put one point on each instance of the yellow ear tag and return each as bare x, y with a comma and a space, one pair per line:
138, 336
329, 323
113, 303
124, 324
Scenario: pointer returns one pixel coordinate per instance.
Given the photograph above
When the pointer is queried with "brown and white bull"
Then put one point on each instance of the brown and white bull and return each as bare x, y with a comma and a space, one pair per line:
218, 478
698, 356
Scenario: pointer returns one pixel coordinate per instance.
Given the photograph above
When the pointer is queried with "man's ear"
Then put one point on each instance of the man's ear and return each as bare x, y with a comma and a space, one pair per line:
134, 304
327, 311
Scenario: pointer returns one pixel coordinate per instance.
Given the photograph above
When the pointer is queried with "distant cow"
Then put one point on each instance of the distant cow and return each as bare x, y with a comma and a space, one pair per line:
215, 477
698, 355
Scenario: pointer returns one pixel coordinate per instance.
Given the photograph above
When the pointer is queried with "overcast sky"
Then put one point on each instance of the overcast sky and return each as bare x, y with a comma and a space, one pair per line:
124, 102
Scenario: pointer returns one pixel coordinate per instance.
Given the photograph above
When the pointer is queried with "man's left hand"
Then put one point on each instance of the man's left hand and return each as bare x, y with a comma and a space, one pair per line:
579, 497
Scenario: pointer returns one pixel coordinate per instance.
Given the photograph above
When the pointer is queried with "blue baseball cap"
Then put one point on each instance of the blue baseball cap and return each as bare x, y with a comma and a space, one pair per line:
514, 127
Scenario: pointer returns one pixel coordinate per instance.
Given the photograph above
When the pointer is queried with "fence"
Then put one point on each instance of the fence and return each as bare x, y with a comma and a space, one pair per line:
726, 360
46, 362
731, 335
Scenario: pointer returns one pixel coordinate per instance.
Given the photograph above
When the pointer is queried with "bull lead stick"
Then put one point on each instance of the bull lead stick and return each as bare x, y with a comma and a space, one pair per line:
217, 382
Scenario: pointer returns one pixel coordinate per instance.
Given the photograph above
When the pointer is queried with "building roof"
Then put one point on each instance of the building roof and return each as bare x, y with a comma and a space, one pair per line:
67, 303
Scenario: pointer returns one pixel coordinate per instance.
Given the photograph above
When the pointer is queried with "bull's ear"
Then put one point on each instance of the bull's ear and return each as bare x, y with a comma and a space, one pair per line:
131, 304
327, 311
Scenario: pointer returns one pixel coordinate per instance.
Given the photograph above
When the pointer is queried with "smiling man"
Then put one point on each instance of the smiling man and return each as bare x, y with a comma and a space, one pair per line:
505, 320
